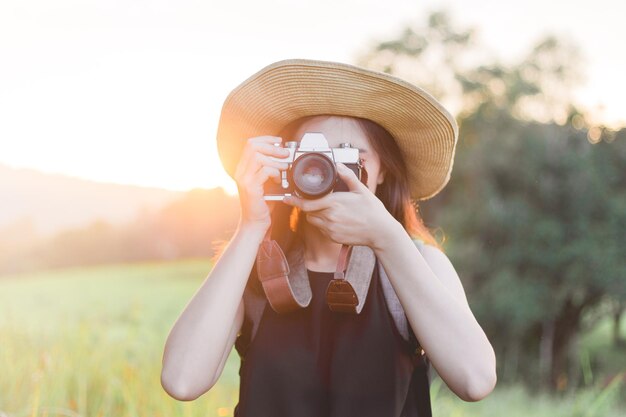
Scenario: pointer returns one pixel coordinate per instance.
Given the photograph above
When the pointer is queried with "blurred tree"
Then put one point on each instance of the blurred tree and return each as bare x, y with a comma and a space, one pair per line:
537, 202
547, 220
456, 69
192, 226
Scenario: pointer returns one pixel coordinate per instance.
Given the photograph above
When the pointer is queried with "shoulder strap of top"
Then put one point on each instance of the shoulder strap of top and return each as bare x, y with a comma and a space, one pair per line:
395, 307
255, 302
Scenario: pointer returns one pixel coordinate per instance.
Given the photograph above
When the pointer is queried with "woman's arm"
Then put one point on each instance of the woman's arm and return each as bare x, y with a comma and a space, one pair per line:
199, 339
203, 335
434, 301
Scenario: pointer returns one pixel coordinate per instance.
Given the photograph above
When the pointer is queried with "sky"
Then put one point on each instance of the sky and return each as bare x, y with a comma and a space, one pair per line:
130, 92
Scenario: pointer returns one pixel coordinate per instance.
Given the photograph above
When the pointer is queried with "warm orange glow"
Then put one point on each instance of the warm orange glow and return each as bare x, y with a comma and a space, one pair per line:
230, 187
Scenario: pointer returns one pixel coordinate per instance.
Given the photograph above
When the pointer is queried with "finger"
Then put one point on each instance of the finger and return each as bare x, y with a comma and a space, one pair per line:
317, 222
256, 160
248, 150
349, 177
270, 149
314, 220
263, 174
311, 205
267, 172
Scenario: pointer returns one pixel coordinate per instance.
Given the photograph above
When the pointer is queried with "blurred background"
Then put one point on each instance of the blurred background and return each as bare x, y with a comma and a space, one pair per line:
113, 200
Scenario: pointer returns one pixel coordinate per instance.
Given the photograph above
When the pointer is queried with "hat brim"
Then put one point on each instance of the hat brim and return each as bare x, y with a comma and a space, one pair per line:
424, 130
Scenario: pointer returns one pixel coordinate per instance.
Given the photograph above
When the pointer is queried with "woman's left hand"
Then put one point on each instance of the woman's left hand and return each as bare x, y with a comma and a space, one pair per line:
356, 217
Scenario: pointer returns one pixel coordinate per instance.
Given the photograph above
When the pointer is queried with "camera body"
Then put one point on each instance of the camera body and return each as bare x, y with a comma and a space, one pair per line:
312, 170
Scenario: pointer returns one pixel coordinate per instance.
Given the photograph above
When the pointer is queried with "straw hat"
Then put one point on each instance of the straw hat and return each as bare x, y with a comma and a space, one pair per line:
424, 130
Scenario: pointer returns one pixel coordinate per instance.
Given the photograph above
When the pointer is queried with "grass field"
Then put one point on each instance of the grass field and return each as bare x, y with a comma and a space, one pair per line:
88, 342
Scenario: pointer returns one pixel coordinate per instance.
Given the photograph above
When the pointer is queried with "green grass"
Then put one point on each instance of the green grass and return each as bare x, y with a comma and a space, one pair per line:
88, 342
515, 401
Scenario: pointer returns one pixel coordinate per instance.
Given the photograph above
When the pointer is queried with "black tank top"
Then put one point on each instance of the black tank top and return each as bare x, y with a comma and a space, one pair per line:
316, 363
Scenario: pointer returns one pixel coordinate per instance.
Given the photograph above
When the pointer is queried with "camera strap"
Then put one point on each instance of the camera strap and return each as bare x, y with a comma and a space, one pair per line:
273, 272
286, 284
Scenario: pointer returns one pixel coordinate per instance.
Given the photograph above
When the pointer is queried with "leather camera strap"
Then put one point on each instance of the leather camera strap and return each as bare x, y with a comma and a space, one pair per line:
286, 284
340, 294
273, 270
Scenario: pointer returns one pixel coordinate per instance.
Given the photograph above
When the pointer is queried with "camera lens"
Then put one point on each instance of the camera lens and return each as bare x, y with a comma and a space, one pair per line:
313, 175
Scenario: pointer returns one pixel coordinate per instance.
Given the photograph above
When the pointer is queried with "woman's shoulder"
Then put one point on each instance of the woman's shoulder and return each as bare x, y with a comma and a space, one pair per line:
427, 246
420, 243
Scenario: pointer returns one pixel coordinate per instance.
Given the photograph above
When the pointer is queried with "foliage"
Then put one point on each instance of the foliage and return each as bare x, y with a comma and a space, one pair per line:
450, 63
191, 226
538, 223
536, 207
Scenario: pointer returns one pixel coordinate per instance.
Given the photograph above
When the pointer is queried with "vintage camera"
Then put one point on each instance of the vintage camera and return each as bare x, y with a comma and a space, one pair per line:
312, 171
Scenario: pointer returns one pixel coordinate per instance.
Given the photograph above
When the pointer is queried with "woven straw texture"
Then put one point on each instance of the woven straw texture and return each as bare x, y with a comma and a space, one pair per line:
263, 104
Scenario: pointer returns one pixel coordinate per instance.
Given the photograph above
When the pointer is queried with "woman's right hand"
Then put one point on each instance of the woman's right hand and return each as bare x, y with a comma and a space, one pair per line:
255, 168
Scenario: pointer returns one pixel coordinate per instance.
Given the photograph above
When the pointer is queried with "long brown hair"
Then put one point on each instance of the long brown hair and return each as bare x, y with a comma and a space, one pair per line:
393, 191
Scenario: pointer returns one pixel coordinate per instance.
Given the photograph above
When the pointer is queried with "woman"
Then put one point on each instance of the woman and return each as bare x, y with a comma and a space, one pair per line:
313, 361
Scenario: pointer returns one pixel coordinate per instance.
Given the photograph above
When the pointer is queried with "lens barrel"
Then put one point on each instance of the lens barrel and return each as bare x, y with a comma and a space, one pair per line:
313, 175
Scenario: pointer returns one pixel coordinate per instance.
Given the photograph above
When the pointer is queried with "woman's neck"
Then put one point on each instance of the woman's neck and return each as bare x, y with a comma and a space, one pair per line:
320, 253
